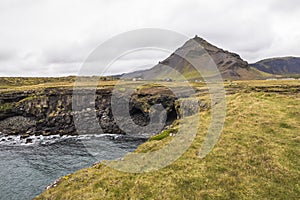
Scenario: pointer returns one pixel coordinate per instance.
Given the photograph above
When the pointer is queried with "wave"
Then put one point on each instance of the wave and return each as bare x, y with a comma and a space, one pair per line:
17, 140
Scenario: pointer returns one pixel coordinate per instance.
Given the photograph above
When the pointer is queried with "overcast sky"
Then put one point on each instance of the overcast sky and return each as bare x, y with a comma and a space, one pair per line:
54, 37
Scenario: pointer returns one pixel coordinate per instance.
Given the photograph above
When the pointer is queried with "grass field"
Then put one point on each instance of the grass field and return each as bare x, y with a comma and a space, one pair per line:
257, 156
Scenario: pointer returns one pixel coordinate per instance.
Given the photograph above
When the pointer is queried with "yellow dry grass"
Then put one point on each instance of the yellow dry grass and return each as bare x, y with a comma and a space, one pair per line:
257, 157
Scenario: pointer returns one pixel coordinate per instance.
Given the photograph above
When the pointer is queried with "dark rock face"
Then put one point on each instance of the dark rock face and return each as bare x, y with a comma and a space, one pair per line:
17, 124
50, 111
224, 60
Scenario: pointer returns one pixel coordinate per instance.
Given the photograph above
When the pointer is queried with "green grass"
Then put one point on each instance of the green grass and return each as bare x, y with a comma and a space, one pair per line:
18, 81
284, 125
263, 74
29, 98
9, 84
163, 134
6, 106
257, 157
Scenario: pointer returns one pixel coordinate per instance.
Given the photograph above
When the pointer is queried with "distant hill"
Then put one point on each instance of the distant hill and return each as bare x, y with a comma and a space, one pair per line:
230, 65
279, 66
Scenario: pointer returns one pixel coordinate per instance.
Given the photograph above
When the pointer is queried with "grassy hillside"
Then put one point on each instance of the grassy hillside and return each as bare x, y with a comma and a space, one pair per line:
287, 66
257, 156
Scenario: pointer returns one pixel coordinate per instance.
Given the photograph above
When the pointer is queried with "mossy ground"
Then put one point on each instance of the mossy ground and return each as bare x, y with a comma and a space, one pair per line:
257, 157
11, 84
6, 106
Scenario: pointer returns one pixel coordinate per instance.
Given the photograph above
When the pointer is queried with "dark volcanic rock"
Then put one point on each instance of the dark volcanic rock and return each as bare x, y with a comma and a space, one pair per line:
17, 124
28, 140
50, 111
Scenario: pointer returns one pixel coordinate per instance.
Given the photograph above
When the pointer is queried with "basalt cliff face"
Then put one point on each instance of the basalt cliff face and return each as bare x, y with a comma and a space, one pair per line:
49, 111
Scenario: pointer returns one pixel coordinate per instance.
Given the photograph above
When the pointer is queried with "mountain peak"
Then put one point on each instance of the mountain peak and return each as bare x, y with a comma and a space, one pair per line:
230, 65
199, 39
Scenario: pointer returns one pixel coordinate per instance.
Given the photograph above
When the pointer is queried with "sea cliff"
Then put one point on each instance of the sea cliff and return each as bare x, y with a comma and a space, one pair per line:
49, 111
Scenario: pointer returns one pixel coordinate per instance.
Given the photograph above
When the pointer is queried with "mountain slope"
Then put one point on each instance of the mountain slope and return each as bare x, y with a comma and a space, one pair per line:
279, 66
230, 65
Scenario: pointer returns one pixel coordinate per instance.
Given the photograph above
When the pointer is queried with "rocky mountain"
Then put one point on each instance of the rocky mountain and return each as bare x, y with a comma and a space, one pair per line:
279, 66
230, 65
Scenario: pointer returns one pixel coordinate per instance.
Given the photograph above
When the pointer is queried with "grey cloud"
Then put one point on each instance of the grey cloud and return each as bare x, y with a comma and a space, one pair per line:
59, 40
235, 26
4, 56
286, 6
65, 53
7, 54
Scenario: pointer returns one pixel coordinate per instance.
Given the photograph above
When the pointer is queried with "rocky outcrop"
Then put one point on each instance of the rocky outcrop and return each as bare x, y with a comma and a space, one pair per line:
49, 111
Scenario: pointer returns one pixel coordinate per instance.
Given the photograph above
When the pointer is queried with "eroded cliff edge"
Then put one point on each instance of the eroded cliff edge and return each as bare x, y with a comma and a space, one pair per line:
49, 111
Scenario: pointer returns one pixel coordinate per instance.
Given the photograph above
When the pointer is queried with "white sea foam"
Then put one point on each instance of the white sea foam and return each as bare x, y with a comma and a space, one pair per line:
45, 140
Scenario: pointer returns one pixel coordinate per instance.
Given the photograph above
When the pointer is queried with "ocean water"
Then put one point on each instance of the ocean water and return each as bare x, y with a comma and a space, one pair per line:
26, 169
